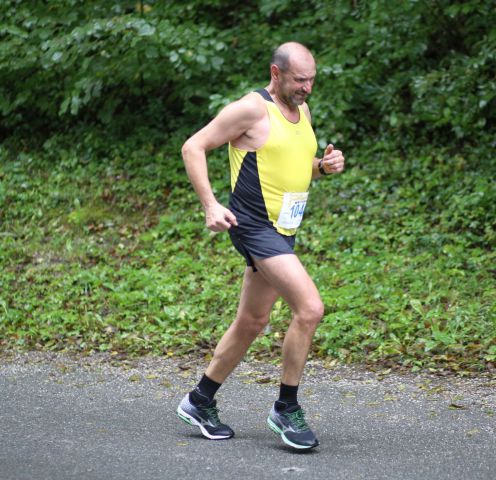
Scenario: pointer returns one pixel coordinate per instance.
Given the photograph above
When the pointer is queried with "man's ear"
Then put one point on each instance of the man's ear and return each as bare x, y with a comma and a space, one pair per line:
275, 72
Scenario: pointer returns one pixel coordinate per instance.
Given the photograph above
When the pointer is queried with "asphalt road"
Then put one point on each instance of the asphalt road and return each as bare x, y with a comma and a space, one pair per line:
65, 418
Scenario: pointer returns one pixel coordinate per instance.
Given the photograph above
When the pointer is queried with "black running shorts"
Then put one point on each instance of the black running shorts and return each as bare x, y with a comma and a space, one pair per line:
259, 242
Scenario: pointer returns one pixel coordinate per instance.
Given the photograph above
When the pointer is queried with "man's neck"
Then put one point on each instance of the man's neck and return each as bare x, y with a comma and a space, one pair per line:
290, 112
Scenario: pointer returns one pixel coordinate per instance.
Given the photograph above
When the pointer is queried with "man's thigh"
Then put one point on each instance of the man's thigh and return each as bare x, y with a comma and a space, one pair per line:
257, 294
287, 275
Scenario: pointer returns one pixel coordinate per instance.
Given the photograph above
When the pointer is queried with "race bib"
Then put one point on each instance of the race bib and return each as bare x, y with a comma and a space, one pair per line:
293, 206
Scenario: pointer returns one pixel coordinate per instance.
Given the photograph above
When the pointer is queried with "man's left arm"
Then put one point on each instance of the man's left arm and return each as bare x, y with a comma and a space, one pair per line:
331, 162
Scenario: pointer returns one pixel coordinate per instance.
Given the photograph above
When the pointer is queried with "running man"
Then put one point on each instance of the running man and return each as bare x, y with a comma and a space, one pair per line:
272, 150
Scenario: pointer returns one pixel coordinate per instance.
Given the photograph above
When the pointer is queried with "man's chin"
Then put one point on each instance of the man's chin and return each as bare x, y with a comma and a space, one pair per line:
298, 103
298, 99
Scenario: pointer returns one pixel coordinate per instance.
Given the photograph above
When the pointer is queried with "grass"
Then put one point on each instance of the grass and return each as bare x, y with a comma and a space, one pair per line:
103, 248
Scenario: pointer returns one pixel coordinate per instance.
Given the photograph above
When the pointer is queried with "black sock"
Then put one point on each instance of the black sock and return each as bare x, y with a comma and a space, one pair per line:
204, 391
288, 394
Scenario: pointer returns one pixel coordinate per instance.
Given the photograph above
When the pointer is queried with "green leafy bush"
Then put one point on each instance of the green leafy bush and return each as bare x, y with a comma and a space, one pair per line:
102, 245
420, 72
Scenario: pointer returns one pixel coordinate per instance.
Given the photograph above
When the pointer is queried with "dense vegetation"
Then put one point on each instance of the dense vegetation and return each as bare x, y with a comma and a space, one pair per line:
102, 244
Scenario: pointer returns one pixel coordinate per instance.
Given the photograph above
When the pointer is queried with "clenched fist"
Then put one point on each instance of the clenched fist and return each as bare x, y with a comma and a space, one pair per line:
333, 160
219, 218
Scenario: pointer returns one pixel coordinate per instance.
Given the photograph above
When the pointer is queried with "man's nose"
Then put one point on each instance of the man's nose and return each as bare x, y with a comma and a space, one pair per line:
307, 86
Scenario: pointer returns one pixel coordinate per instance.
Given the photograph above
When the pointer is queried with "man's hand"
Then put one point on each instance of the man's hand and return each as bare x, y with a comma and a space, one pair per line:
333, 160
219, 218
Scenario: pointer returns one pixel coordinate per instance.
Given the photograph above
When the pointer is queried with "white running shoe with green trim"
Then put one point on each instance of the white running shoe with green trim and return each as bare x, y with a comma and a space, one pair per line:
290, 424
205, 416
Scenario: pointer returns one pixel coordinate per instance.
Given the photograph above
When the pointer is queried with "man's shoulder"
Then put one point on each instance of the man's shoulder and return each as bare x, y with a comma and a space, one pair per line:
251, 104
306, 110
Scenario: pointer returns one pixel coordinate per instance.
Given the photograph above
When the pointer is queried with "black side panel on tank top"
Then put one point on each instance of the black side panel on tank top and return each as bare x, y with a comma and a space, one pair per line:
247, 200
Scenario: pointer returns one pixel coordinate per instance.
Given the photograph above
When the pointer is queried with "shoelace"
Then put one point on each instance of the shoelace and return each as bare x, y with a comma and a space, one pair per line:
298, 420
213, 413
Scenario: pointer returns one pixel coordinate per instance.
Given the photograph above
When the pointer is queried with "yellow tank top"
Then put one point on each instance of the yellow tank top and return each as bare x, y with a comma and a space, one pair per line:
270, 185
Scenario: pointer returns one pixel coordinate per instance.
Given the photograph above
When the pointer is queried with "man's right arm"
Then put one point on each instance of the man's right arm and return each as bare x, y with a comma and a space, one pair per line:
231, 123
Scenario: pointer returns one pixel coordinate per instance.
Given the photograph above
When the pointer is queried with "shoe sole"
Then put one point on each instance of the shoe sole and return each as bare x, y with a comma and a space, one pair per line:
288, 442
186, 417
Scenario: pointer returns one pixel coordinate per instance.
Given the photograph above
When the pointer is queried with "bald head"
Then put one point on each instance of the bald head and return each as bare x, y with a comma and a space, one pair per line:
287, 53
292, 73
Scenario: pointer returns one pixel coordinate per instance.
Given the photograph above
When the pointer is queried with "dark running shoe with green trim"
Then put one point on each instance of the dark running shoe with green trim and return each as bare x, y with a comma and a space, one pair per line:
290, 424
205, 416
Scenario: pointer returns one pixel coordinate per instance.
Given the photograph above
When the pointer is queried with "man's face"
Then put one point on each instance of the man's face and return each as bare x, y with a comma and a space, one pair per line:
296, 83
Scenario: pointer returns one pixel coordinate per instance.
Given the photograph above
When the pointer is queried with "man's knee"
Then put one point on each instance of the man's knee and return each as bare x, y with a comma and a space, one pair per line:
311, 313
253, 322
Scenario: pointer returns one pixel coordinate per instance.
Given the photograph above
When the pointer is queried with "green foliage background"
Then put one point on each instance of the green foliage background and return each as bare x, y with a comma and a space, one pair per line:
102, 241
